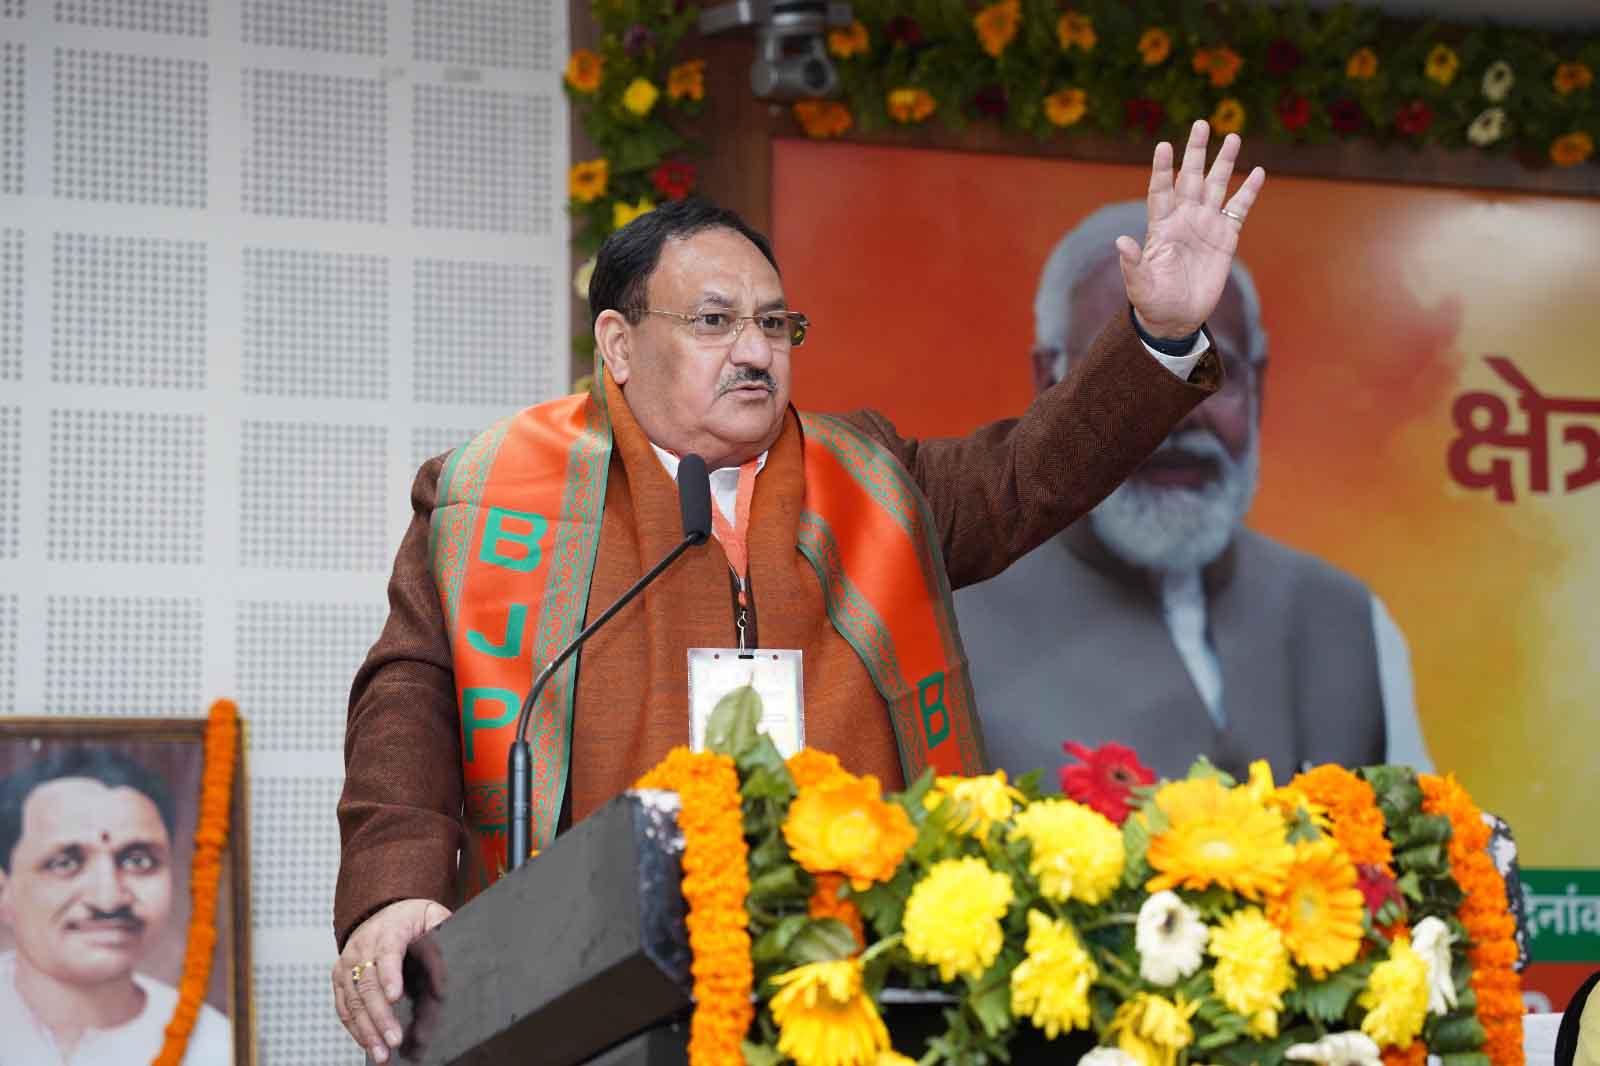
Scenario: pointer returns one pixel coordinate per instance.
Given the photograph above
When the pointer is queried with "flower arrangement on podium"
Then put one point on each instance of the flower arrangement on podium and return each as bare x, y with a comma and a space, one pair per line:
1346, 918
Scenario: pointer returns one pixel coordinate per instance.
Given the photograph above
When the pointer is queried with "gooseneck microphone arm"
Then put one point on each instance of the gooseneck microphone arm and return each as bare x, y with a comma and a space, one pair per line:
694, 500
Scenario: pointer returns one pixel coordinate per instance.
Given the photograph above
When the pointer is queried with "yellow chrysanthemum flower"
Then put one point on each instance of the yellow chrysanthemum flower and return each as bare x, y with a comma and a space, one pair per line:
824, 1018
1051, 986
1362, 65
1155, 44
1076, 851
997, 24
1252, 971
640, 96
1319, 909
623, 213
1229, 115
1066, 107
952, 919
1218, 836
979, 801
1153, 1029
586, 181
843, 825
1441, 64
1396, 997
1076, 30
852, 40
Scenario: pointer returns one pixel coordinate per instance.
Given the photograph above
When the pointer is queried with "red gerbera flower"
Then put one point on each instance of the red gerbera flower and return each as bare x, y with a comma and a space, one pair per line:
1377, 888
1106, 779
673, 179
1345, 115
1294, 111
1283, 57
1414, 118
903, 30
991, 100
1143, 112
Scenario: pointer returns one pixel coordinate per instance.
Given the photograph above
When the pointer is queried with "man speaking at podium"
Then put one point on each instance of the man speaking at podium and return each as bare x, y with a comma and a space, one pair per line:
837, 545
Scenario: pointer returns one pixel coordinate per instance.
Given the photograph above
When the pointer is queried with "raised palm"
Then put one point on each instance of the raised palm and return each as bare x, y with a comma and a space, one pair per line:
1175, 280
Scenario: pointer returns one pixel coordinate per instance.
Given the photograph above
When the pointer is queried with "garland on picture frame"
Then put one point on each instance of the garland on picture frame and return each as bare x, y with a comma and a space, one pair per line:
1056, 68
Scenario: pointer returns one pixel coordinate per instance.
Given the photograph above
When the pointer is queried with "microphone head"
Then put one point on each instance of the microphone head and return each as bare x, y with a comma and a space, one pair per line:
694, 498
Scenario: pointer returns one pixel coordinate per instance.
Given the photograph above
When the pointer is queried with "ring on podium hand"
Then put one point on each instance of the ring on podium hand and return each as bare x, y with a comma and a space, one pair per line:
1233, 215
360, 968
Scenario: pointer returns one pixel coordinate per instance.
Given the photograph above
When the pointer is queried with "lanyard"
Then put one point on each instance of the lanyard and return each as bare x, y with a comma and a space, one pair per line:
733, 537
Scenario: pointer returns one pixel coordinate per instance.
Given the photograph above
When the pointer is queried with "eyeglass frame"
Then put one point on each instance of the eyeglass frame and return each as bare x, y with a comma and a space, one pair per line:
797, 320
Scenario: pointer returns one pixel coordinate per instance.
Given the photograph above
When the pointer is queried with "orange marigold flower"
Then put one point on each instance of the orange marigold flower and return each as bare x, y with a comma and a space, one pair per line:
1076, 30
586, 181
1066, 107
852, 40
1229, 116
997, 24
844, 826
825, 902
584, 70
1358, 824
1155, 44
823, 118
811, 766
1441, 64
1570, 77
1413, 1054
1571, 149
1221, 64
687, 80
910, 105
1362, 65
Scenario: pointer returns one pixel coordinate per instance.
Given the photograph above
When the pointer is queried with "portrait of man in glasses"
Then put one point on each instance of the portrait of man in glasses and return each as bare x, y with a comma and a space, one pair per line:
1160, 621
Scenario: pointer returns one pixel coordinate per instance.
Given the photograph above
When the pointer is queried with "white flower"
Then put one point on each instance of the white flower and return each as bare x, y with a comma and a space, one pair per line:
1487, 127
1108, 1056
1498, 80
1170, 937
580, 279
1432, 939
1352, 1048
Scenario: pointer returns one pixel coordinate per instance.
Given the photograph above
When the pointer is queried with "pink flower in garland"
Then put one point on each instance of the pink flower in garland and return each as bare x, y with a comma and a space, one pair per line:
1106, 779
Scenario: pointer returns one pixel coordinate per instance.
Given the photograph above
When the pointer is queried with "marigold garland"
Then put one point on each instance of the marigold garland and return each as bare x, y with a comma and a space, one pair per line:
716, 880
1358, 824
1485, 915
205, 875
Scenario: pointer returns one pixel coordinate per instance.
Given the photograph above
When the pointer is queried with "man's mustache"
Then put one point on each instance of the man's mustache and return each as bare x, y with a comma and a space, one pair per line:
746, 378
121, 918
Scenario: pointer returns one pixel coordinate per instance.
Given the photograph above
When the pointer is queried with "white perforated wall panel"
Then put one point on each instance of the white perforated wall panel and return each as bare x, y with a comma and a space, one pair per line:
258, 260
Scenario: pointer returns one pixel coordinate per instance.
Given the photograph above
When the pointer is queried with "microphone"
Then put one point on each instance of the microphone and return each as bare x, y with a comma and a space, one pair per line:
694, 502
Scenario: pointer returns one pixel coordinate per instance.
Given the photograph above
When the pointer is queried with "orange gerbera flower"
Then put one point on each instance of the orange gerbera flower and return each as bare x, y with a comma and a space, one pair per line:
843, 825
1319, 910
1229, 115
850, 41
823, 118
1066, 107
584, 70
1155, 44
997, 24
586, 181
687, 80
1571, 149
1570, 77
1221, 63
1075, 30
1362, 65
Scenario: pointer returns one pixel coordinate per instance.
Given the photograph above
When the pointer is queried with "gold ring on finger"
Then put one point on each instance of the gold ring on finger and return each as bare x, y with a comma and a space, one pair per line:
360, 968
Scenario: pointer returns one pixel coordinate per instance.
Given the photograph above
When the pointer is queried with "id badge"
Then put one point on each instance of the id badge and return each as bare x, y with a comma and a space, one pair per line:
775, 674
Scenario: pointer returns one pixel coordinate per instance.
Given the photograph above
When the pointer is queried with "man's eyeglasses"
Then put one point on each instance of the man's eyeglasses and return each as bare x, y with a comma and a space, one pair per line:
779, 327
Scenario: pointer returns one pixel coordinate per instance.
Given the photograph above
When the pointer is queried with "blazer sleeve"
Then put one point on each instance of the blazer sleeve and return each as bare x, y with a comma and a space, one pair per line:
1003, 490
400, 812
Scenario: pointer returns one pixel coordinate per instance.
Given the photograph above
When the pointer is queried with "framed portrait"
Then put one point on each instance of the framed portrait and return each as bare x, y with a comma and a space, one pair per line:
97, 848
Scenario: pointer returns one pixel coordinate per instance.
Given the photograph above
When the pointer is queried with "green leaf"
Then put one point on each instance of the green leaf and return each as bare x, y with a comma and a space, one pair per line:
1327, 1001
734, 722
1410, 886
822, 940
775, 942
1456, 1034
1464, 1058
759, 1055
991, 1004
784, 882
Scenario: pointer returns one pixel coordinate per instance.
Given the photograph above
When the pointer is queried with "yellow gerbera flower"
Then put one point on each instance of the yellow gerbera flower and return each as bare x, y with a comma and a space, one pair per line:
1319, 909
910, 105
586, 182
1217, 836
1396, 997
823, 1017
687, 80
1051, 986
623, 212
1155, 44
1076, 851
979, 802
1252, 970
1153, 1029
1229, 116
843, 825
952, 919
997, 24
893, 1058
1362, 65
1442, 64
1066, 107
584, 69
852, 40
1076, 30
1289, 799
640, 96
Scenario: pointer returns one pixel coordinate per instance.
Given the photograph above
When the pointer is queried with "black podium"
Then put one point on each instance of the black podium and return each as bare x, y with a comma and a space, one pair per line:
581, 958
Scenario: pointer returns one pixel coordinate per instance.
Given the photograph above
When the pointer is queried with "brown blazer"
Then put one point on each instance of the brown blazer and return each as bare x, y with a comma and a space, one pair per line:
994, 496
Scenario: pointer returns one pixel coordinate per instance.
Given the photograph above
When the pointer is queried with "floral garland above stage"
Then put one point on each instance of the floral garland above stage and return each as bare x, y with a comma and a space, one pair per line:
1344, 918
1052, 69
